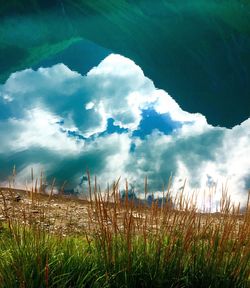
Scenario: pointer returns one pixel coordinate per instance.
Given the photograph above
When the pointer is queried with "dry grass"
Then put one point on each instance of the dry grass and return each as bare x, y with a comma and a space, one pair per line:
133, 244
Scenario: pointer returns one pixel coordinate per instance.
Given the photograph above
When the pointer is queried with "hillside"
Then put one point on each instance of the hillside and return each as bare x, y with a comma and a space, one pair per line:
67, 242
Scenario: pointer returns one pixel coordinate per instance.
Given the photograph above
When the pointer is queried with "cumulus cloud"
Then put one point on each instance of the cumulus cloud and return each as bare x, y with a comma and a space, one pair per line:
38, 129
60, 120
117, 89
211, 160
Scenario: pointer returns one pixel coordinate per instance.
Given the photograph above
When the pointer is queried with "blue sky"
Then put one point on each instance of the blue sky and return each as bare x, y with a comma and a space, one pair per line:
113, 120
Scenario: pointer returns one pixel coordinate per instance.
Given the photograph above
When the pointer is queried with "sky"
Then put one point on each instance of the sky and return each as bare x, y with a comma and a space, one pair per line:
111, 119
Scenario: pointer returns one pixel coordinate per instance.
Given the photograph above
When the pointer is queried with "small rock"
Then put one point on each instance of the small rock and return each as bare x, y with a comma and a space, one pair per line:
34, 211
17, 198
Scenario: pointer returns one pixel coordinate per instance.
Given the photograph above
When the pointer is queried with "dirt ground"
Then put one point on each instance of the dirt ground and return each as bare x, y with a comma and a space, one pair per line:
55, 213
69, 215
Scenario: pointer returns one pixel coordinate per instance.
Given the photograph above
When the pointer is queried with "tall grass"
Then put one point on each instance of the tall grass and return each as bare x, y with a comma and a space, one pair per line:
126, 244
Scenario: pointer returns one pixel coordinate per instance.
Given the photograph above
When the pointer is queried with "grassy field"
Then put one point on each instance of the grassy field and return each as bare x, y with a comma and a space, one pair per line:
51, 240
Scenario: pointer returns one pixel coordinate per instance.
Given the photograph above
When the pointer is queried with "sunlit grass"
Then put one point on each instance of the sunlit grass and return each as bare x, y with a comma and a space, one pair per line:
125, 244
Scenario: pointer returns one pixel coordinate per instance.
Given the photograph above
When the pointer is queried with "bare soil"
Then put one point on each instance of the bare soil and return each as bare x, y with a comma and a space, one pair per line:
69, 215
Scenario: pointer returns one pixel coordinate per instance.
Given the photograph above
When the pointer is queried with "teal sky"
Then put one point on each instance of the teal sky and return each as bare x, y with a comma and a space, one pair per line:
128, 88
198, 50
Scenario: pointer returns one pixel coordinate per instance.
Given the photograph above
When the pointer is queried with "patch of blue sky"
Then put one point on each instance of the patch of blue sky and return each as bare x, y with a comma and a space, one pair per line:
70, 133
75, 135
152, 120
112, 128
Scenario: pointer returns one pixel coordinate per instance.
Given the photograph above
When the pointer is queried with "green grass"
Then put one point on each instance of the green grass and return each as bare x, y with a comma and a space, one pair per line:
32, 259
130, 246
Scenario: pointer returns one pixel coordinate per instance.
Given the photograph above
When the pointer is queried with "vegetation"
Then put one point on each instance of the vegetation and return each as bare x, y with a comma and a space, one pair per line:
123, 244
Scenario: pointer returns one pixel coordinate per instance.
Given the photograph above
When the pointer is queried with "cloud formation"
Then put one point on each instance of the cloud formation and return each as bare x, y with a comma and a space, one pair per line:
117, 123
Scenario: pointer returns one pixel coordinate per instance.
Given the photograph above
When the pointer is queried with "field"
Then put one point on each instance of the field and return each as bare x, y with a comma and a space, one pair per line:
107, 240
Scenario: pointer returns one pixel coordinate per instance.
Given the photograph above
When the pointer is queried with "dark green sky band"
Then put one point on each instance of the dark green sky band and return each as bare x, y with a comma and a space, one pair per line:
198, 51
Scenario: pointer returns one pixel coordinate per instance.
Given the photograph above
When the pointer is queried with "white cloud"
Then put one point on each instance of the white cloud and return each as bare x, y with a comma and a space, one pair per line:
38, 129
90, 105
115, 148
217, 156
124, 91
58, 77
117, 88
